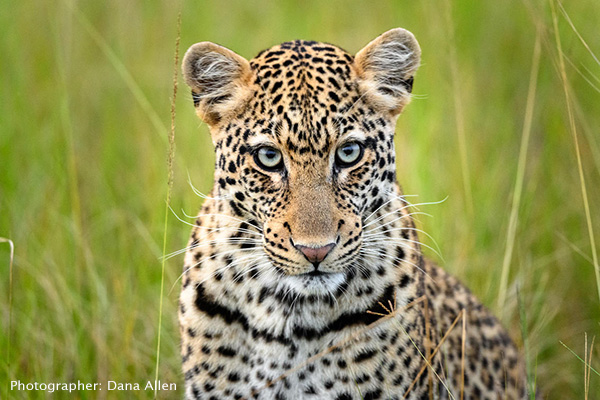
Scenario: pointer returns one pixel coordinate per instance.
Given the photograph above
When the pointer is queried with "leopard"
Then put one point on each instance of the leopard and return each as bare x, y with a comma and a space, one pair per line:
304, 276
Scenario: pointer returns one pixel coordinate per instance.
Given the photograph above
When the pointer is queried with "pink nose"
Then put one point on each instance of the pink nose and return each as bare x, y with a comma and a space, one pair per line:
315, 254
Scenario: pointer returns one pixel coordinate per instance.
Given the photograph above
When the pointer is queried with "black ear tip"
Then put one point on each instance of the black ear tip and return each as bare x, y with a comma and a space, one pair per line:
196, 97
408, 83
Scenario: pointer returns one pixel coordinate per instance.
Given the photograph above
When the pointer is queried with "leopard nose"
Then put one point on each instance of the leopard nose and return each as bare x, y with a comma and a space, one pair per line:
315, 254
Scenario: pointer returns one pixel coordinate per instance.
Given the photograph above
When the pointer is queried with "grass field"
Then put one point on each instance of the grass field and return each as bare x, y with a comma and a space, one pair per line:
84, 123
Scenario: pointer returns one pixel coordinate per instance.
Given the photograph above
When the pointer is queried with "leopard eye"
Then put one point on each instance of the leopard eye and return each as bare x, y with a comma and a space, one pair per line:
348, 154
268, 158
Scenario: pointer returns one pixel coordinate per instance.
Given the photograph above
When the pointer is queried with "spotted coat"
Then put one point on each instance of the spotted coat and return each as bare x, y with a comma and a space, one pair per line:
304, 277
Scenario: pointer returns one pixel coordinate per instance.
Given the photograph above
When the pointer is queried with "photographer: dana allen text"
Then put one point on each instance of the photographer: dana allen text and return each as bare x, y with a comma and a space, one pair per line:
79, 386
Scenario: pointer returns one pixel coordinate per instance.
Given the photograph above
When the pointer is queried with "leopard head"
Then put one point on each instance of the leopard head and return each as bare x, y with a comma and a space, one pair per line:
303, 135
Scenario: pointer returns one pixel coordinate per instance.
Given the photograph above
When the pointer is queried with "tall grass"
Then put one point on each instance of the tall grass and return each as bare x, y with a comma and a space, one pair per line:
86, 94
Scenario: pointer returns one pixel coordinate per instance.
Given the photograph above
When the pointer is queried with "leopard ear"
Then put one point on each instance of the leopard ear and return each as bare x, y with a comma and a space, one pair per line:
219, 79
386, 68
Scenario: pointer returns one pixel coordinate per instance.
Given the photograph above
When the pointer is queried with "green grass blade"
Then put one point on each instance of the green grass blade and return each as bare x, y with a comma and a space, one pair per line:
517, 194
579, 358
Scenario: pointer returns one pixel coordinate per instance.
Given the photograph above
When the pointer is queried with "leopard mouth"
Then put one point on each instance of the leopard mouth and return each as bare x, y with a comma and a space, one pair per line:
319, 282
316, 272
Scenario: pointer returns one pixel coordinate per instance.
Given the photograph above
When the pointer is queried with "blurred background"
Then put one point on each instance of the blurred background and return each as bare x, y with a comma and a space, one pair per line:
84, 123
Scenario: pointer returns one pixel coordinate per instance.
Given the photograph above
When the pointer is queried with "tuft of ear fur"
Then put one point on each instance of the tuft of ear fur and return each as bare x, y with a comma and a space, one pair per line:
219, 79
386, 68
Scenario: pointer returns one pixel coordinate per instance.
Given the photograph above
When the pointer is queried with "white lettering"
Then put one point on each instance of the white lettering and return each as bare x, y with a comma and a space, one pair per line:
52, 387
158, 385
112, 385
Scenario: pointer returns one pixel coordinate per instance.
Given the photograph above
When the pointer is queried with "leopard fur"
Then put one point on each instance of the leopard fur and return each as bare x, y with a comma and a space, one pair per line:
263, 315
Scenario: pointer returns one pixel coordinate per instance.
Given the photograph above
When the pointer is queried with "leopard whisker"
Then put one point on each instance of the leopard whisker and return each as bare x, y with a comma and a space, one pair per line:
392, 198
392, 258
202, 195
259, 229
233, 251
408, 205
199, 243
384, 239
222, 215
394, 220
196, 225
247, 259
225, 228
408, 228
399, 260
186, 270
396, 211
232, 240
246, 271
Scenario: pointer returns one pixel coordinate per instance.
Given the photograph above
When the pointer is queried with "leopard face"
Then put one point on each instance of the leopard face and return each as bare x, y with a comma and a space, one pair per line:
303, 135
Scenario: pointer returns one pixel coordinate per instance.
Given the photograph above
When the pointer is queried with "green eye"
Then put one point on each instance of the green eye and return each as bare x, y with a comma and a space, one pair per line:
348, 154
268, 158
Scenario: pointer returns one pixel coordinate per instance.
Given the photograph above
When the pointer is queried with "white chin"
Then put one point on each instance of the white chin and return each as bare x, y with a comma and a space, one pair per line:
325, 284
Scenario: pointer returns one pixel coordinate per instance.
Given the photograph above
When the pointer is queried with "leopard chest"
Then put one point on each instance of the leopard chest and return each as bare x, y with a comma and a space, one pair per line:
231, 360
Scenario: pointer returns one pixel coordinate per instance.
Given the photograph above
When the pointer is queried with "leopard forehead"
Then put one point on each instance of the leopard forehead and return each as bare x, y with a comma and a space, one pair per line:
306, 99
301, 76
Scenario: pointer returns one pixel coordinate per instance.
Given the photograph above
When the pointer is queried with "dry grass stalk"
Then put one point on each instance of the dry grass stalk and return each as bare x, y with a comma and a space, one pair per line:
170, 157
